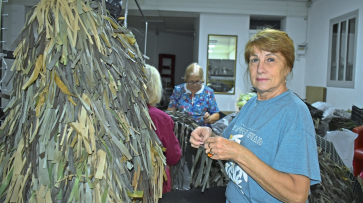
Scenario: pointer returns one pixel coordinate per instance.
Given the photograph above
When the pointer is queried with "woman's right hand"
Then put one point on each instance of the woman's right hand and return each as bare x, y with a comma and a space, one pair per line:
199, 135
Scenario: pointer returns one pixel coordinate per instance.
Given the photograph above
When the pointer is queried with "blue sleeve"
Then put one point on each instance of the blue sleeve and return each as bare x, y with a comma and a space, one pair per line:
213, 104
297, 154
174, 99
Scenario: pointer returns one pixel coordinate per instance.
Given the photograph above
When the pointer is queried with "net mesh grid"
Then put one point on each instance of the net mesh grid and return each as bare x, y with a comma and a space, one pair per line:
329, 148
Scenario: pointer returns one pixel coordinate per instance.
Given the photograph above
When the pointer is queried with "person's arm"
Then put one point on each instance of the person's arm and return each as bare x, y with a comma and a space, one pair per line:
213, 110
199, 135
165, 132
171, 143
211, 118
174, 100
283, 186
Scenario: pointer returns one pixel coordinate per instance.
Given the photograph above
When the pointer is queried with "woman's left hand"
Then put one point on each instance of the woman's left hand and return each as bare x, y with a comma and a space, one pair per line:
210, 118
206, 116
220, 148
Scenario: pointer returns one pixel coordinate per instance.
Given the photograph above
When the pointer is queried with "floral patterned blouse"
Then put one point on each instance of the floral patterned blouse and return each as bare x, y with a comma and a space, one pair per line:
203, 101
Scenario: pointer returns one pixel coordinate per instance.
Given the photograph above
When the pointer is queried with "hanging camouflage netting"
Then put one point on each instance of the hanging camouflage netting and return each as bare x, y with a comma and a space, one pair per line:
204, 172
77, 126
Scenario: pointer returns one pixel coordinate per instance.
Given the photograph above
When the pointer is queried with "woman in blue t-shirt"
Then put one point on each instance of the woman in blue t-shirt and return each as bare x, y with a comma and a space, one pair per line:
270, 146
194, 98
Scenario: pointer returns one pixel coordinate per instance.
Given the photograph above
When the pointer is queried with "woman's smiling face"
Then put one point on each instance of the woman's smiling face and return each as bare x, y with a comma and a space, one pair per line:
268, 73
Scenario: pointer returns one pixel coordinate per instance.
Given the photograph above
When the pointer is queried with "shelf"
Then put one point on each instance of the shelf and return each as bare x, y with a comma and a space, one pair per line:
167, 69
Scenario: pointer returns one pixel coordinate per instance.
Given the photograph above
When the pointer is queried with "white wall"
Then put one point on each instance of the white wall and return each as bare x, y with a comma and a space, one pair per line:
225, 25
295, 27
320, 13
166, 43
239, 25
196, 40
13, 23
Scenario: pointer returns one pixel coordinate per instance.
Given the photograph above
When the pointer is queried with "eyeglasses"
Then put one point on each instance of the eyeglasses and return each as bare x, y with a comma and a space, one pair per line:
196, 82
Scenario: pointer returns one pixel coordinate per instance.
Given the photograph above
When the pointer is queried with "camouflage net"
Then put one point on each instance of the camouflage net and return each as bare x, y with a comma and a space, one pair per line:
77, 127
337, 184
204, 171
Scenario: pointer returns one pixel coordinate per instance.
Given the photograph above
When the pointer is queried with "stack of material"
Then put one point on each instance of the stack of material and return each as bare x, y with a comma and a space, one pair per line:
338, 123
77, 125
357, 115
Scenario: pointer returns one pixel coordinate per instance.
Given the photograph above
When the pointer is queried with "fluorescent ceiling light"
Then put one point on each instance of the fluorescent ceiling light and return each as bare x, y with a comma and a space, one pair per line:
212, 46
210, 51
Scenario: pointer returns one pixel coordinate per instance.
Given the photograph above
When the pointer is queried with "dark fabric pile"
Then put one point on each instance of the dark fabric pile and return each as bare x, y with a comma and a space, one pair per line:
357, 115
337, 123
219, 126
315, 113
219, 86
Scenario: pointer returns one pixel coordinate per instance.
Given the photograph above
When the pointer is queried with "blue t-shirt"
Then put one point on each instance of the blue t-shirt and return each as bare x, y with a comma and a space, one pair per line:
280, 132
203, 101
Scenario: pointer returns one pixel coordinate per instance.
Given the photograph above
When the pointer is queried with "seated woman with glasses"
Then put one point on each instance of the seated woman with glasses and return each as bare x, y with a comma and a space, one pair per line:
194, 98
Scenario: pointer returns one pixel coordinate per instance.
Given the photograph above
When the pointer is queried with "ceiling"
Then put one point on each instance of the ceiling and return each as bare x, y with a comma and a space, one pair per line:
176, 25
180, 23
162, 20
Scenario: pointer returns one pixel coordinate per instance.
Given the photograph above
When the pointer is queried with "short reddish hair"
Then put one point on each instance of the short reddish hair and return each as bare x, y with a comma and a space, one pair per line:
273, 41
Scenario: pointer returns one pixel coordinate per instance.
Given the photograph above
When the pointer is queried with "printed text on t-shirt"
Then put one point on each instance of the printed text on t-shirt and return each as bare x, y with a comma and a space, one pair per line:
250, 135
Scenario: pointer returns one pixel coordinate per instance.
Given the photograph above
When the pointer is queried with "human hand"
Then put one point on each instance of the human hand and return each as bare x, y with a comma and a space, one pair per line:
206, 117
220, 148
210, 118
199, 135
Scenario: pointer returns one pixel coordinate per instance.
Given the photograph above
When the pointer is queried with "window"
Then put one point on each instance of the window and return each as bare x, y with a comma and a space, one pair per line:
342, 50
258, 23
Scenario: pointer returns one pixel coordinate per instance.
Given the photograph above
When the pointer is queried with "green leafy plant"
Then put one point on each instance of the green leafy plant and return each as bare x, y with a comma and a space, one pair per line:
243, 98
